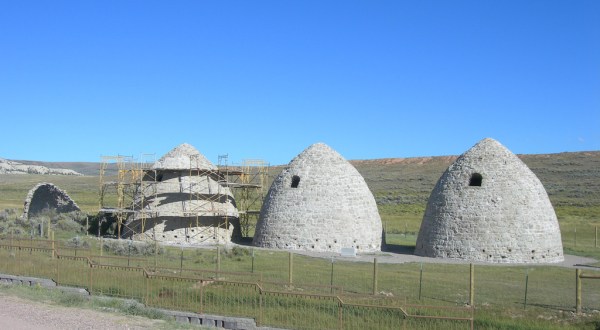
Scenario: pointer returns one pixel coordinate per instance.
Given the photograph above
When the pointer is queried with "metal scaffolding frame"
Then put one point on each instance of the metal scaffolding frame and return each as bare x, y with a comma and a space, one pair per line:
249, 185
136, 183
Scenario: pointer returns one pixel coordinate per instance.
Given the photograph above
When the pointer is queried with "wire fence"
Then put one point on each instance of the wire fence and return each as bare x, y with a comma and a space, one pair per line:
287, 290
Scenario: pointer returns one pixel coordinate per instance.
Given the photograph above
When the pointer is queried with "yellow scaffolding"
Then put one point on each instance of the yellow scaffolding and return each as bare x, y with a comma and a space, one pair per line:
124, 190
249, 185
130, 194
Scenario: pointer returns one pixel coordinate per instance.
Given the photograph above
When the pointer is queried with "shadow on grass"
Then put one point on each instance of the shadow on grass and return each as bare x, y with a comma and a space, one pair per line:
399, 249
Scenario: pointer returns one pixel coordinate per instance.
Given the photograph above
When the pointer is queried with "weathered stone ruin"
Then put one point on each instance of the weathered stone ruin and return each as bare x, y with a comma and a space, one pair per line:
489, 206
185, 201
319, 203
46, 196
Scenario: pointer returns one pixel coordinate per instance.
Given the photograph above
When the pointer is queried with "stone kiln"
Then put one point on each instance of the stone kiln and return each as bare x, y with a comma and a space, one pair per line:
185, 200
489, 206
319, 203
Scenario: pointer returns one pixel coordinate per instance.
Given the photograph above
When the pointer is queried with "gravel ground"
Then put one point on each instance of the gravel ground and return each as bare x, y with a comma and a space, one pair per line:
401, 256
21, 314
571, 261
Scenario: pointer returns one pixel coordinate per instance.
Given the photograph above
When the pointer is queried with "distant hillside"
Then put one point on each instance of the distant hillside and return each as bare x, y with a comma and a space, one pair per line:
570, 178
85, 168
15, 167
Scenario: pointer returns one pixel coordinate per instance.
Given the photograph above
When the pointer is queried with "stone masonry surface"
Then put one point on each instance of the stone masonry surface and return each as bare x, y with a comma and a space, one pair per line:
319, 203
186, 202
47, 196
489, 206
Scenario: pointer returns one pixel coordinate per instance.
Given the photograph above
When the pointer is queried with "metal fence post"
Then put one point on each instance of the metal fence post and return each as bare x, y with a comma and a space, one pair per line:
472, 285
331, 279
420, 280
53, 250
260, 306
291, 268
578, 291
147, 295
218, 259
91, 279
340, 314
374, 276
181, 262
526, 286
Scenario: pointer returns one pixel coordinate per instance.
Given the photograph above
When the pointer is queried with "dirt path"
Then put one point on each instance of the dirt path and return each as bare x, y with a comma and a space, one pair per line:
22, 314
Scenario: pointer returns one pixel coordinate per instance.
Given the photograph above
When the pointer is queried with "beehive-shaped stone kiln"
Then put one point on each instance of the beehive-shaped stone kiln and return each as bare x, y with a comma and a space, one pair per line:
489, 206
319, 203
185, 200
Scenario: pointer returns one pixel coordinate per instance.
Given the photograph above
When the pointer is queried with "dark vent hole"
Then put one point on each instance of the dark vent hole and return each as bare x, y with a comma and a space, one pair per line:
476, 180
295, 181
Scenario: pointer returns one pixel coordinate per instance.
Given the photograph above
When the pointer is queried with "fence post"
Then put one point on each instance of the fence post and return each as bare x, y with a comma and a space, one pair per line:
147, 295
201, 297
526, 287
290, 268
218, 259
578, 291
91, 279
575, 236
472, 285
253, 260
155, 250
340, 314
181, 262
331, 279
53, 250
420, 280
260, 305
374, 276
57, 270
596, 237
129, 253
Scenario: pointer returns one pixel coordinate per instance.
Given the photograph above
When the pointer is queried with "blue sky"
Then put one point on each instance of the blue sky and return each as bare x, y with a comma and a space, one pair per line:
266, 79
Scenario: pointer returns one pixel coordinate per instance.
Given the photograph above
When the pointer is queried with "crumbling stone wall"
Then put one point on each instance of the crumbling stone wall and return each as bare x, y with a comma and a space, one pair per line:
47, 196
319, 203
489, 206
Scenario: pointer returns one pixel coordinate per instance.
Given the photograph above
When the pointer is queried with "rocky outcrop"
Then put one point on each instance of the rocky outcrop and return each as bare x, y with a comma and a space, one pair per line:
47, 196
12, 167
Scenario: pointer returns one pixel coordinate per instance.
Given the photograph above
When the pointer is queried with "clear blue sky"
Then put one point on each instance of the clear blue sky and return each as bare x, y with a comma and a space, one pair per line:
265, 79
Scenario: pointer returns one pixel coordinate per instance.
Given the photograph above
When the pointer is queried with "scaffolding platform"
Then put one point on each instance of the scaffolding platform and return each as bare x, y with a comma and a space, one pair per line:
127, 197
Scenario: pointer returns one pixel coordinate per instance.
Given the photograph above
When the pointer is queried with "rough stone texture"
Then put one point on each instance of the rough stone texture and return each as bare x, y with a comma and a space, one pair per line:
188, 200
12, 167
507, 219
47, 196
331, 207
183, 157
